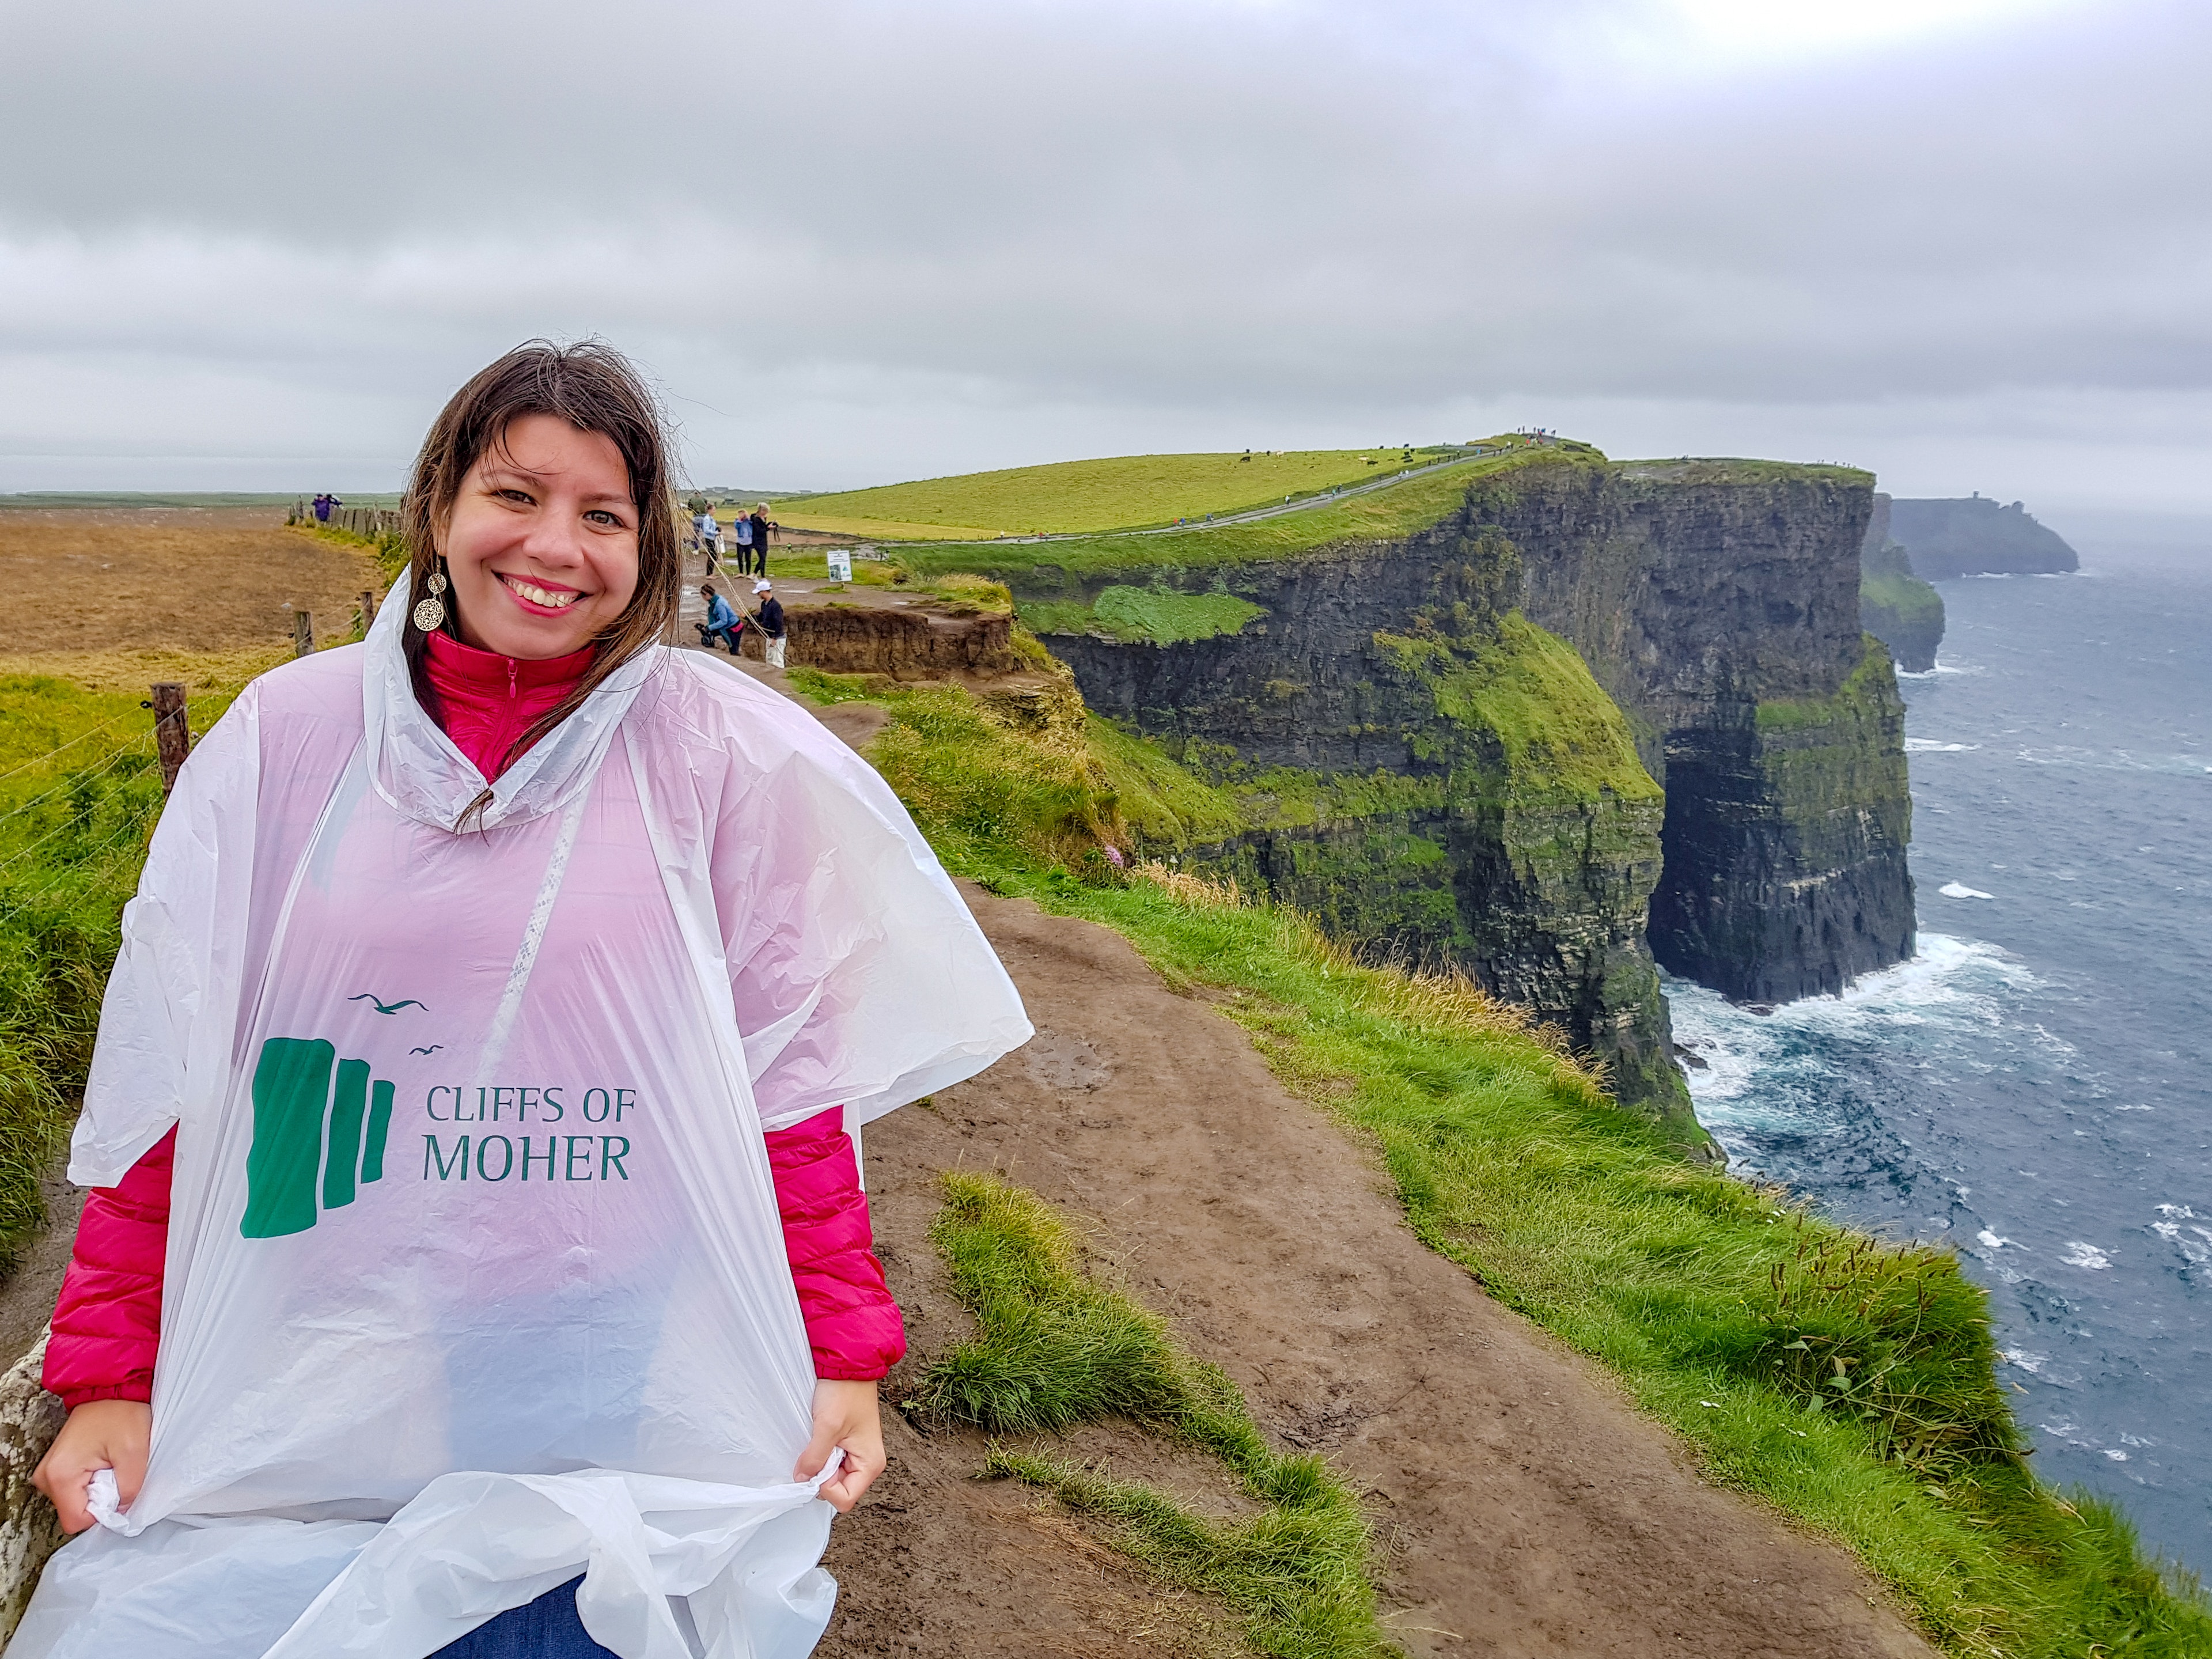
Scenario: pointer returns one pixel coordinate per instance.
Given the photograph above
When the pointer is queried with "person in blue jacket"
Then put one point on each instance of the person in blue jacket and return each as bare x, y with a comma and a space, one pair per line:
722, 622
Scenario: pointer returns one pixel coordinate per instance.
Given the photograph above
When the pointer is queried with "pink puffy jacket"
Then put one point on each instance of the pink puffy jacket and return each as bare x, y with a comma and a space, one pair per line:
107, 1324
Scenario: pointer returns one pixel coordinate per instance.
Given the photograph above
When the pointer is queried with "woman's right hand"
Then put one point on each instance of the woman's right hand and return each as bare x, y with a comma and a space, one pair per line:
101, 1434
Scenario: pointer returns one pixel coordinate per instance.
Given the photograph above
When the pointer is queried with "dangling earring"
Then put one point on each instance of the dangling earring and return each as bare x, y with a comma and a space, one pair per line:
430, 613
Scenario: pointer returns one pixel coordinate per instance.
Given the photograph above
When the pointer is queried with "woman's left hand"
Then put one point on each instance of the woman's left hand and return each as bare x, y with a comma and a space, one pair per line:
846, 1416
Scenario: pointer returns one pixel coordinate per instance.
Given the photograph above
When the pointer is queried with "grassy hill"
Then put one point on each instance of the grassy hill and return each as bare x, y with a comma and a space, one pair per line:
1071, 497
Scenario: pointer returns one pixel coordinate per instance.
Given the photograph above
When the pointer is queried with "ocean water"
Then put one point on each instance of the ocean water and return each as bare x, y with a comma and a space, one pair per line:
2035, 1086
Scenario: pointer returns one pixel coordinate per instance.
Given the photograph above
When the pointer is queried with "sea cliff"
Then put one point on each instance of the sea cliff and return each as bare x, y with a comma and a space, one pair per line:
1575, 714
1718, 603
1897, 607
1975, 536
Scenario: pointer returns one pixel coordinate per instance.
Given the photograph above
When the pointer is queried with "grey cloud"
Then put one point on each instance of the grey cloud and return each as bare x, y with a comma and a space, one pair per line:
963, 230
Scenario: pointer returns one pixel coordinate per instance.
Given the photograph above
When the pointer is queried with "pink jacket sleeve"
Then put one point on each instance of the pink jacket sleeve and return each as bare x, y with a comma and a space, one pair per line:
852, 1322
107, 1322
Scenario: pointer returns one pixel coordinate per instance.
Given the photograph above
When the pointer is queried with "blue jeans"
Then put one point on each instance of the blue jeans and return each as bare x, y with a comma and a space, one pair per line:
547, 1628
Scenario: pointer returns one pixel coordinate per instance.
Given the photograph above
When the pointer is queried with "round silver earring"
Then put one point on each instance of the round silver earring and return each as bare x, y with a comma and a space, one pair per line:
430, 613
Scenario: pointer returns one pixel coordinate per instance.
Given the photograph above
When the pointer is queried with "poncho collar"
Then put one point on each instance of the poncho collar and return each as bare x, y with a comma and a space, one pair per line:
421, 772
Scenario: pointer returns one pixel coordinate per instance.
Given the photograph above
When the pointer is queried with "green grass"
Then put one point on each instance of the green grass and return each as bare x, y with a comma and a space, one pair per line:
1556, 729
1120, 492
79, 793
1150, 616
1391, 514
1863, 688
1911, 601
1851, 1382
1738, 469
1056, 1349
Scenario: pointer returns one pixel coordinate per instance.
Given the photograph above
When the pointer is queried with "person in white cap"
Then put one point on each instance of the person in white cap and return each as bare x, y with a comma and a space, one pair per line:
771, 622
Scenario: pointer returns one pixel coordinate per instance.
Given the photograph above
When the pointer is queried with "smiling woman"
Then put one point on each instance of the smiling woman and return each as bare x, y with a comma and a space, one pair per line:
512, 870
536, 518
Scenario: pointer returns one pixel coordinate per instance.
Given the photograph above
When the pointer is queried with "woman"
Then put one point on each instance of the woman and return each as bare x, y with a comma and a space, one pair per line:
722, 622
761, 527
512, 873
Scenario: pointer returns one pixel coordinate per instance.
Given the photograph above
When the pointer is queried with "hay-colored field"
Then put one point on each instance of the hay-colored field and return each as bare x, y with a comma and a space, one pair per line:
119, 588
1069, 497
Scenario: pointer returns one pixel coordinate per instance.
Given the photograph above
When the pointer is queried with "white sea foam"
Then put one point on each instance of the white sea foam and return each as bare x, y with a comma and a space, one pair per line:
2115, 1454
1960, 890
2079, 1255
1930, 746
2195, 1251
1769, 1073
2030, 1363
1994, 1243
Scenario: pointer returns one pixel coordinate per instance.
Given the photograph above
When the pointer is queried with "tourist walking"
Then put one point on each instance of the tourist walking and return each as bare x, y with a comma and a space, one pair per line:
771, 618
468, 1127
710, 536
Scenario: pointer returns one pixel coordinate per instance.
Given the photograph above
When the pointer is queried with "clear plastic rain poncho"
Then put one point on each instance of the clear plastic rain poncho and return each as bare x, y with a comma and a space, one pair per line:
476, 1279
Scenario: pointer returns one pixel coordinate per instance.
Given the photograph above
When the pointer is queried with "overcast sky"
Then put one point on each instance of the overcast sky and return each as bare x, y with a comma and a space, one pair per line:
253, 244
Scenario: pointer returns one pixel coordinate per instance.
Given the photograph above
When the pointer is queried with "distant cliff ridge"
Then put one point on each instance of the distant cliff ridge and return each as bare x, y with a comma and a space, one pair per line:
1899, 609
1975, 536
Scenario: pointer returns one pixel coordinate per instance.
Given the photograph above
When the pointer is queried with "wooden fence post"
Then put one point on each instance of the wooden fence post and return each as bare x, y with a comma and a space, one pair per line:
172, 732
303, 632
368, 611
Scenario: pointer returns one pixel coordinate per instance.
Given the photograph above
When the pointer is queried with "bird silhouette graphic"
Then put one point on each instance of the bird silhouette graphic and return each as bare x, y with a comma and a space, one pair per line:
432, 1049
386, 1007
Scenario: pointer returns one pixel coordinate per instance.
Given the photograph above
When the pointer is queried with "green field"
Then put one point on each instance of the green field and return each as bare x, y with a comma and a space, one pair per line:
1071, 497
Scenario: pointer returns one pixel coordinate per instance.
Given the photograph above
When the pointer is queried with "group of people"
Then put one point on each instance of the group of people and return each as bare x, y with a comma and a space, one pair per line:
323, 505
749, 535
727, 626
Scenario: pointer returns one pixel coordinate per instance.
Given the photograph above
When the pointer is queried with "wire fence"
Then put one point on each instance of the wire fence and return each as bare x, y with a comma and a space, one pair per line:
99, 812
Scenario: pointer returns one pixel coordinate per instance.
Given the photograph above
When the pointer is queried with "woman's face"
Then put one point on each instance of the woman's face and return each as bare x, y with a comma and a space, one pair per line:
541, 543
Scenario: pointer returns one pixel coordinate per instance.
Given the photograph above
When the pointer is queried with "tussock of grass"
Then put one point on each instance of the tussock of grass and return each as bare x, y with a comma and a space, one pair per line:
1056, 1349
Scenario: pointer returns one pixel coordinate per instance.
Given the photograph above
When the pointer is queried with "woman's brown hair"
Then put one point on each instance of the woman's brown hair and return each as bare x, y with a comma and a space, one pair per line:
594, 388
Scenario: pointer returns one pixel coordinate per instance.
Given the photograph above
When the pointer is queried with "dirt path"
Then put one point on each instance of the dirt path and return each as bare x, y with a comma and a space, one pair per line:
1527, 1508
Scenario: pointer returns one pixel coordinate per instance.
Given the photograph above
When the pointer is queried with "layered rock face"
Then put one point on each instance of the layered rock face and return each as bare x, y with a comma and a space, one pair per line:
1975, 536
1424, 772
1899, 609
1718, 603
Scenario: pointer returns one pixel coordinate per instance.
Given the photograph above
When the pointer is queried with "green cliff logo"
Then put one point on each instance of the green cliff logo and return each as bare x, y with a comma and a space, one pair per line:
308, 1133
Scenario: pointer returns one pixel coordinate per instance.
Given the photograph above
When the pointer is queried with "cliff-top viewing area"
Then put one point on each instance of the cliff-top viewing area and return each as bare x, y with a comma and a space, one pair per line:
1342, 1269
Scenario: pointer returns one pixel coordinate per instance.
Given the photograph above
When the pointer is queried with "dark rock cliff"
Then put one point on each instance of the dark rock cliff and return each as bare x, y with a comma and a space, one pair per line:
1424, 772
1975, 536
1899, 609
1718, 603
